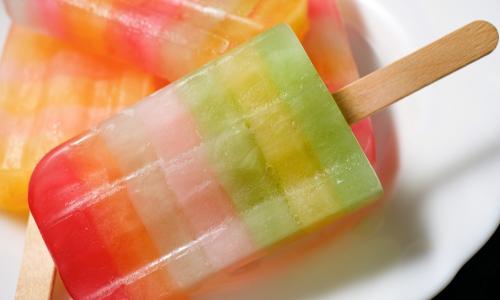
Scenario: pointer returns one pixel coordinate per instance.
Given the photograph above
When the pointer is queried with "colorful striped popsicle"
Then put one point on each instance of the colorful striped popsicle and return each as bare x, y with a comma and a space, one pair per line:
216, 168
48, 93
168, 37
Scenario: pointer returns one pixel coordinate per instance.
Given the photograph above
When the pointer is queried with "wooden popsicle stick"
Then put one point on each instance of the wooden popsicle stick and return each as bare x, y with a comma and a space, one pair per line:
417, 70
37, 270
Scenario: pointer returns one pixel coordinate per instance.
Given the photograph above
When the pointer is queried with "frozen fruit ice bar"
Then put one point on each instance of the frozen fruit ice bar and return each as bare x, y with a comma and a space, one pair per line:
48, 93
215, 169
167, 37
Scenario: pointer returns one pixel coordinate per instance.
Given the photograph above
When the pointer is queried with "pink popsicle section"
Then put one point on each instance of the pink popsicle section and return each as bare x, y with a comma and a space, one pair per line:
198, 193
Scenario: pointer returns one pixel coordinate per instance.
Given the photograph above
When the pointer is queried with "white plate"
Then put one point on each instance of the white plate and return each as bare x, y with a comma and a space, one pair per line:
446, 202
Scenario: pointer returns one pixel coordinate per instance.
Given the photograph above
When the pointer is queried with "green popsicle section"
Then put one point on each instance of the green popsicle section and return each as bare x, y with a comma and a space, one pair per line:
322, 123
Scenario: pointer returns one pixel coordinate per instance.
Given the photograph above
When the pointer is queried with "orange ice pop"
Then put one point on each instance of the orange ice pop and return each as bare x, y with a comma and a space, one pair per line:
48, 93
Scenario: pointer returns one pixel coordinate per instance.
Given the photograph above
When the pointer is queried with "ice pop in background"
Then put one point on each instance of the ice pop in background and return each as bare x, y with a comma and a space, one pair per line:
49, 92
327, 45
169, 37
229, 156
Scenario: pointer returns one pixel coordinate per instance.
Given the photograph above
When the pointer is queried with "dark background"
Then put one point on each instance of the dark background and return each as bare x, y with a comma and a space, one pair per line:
480, 277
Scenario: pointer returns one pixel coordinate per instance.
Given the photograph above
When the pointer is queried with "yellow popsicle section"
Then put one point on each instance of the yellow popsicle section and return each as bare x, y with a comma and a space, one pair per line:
292, 163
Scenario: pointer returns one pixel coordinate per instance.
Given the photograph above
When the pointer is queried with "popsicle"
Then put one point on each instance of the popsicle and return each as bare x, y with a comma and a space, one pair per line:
169, 37
216, 167
50, 92
220, 167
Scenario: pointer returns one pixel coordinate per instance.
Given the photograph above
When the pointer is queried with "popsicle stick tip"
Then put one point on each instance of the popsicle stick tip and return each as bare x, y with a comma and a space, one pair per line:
489, 29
